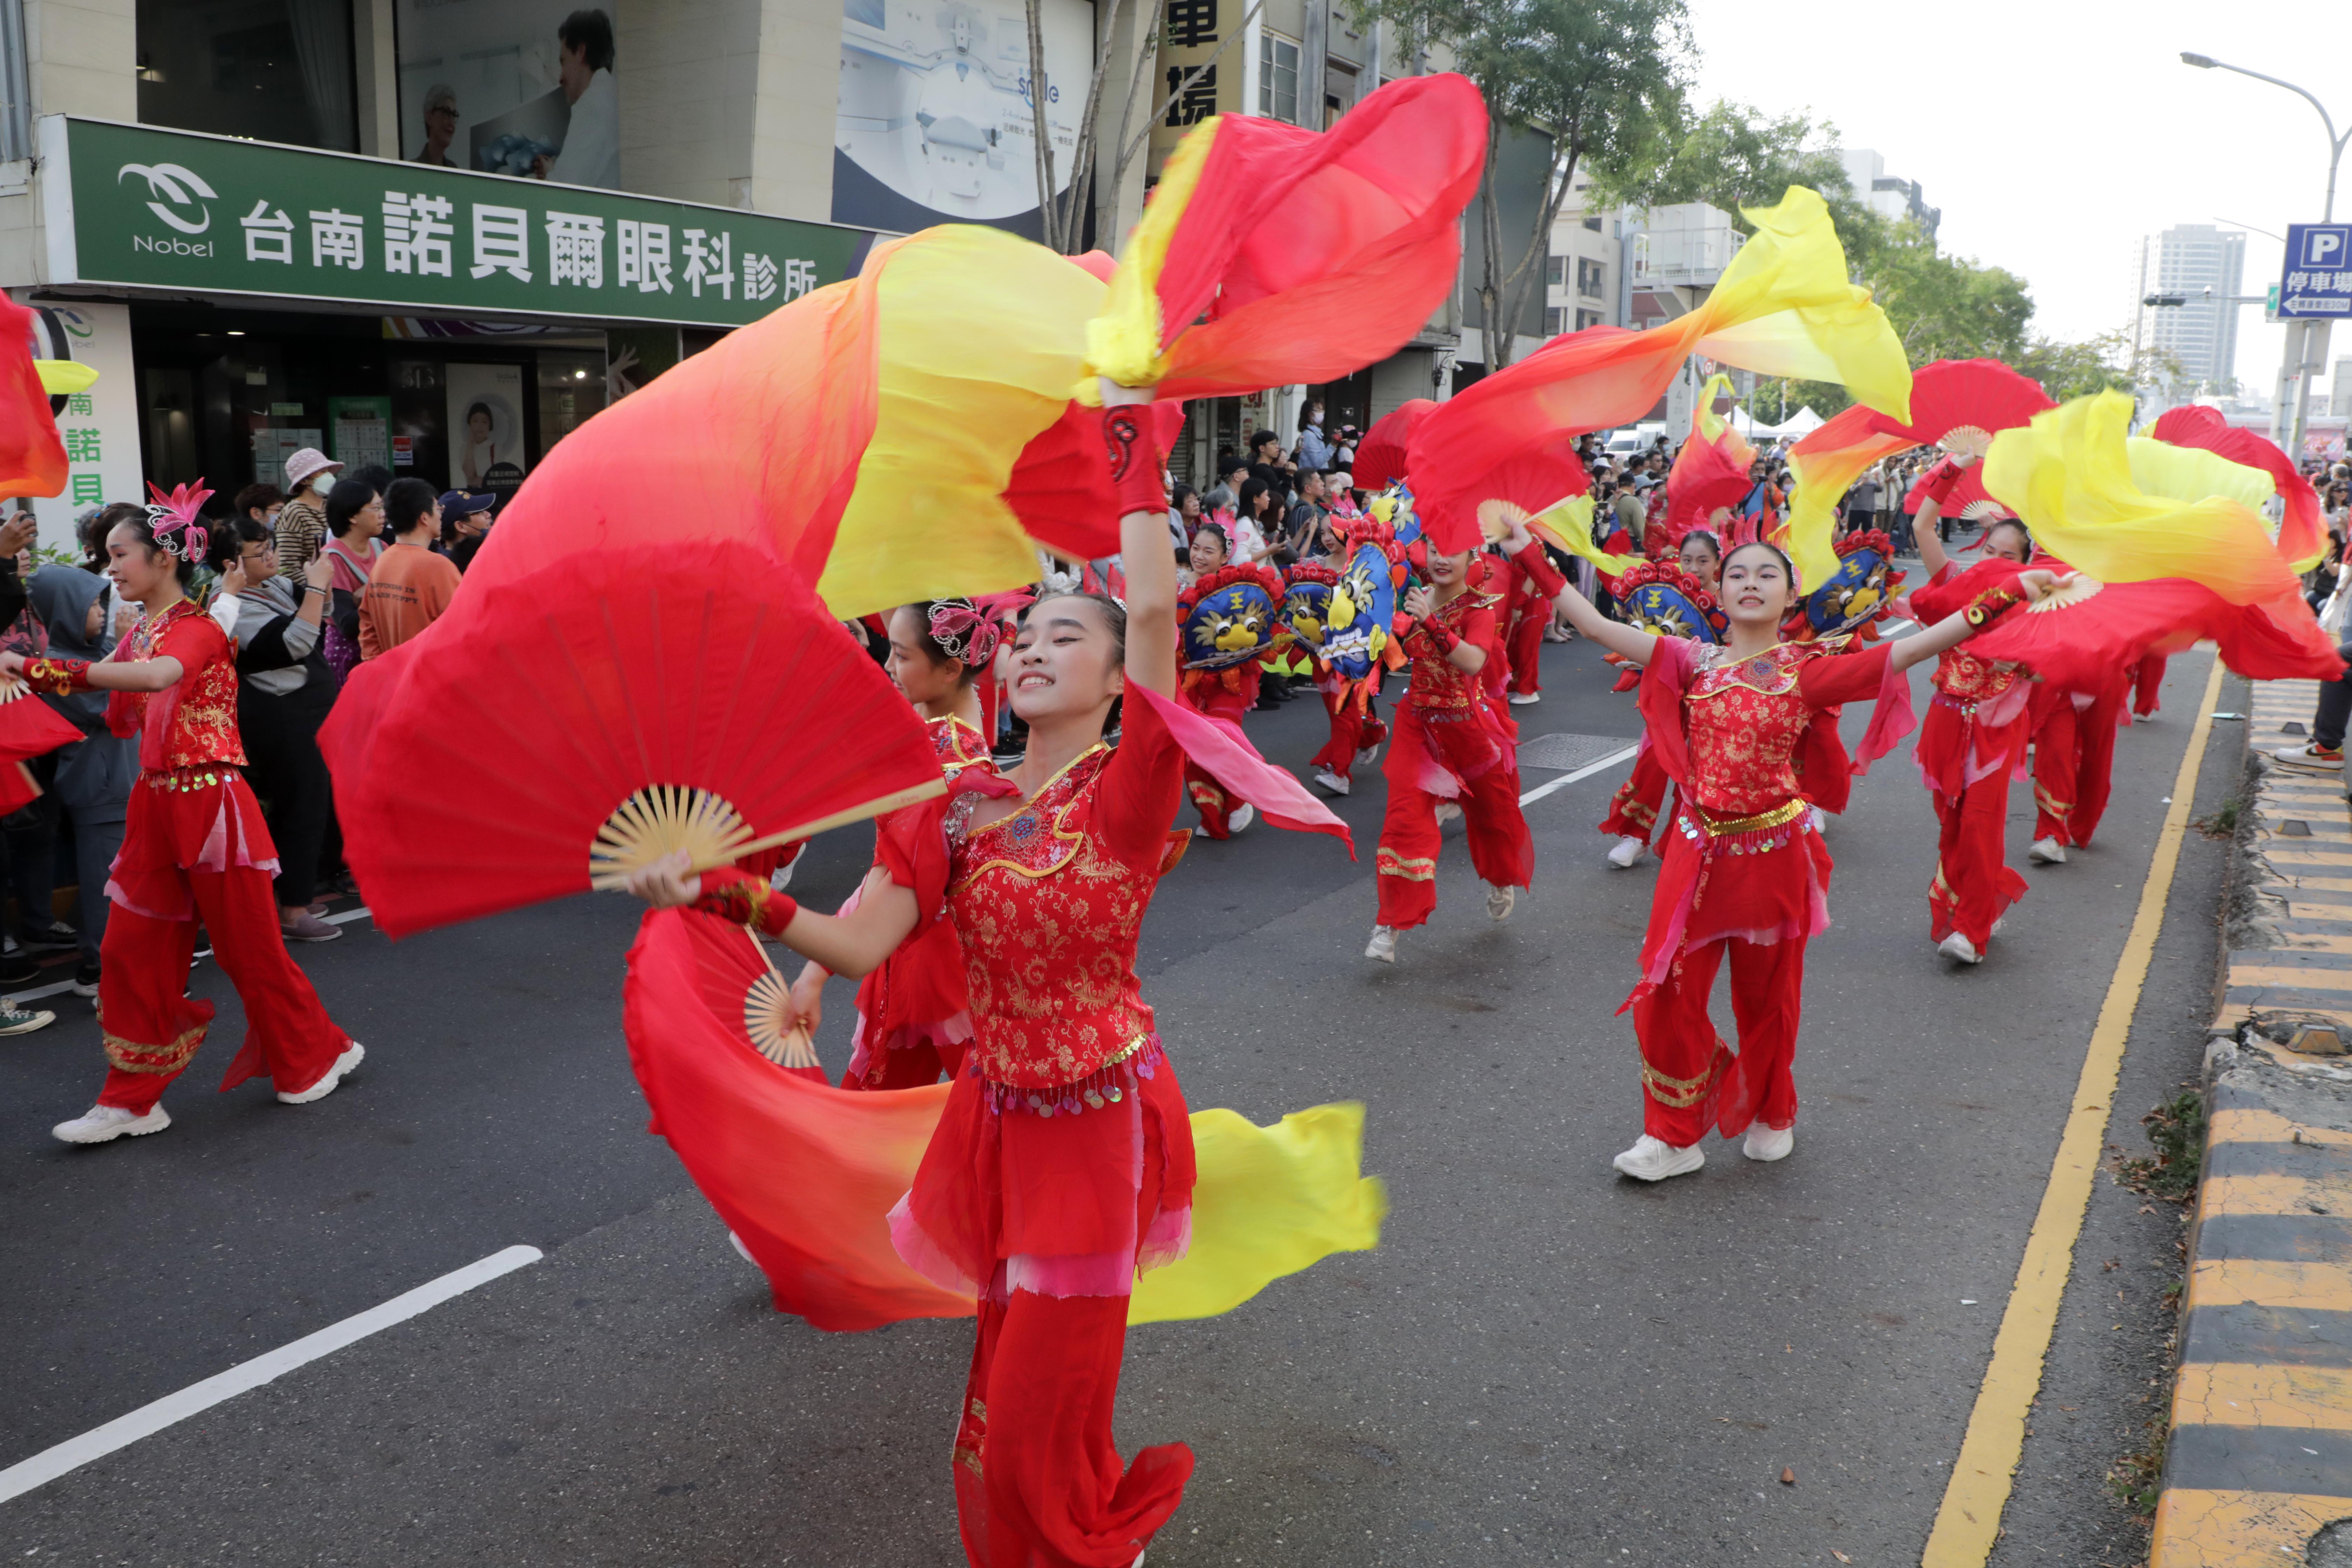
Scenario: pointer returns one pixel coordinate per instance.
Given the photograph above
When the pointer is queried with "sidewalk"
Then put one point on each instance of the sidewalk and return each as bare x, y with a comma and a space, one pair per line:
2260, 1457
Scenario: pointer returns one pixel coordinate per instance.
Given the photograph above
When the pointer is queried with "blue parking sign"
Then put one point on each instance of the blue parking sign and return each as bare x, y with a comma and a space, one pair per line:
2318, 280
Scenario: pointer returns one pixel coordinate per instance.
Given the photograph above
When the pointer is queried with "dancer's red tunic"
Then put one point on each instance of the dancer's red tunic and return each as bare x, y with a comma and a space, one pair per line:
1972, 740
195, 848
1454, 742
912, 1021
1744, 873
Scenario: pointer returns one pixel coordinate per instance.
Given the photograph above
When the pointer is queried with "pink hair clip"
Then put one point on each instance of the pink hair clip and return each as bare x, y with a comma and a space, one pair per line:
173, 518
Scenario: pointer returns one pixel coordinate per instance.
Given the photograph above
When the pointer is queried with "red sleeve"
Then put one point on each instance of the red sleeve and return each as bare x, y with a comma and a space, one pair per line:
1478, 628
1136, 798
912, 845
1836, 678
1948, 591
195, 641
1541, 575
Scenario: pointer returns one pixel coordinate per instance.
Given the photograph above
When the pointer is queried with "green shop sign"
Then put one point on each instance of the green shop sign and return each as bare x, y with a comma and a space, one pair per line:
146, 208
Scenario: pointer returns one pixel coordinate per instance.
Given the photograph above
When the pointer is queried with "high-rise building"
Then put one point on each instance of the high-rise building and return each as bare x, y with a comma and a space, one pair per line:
2202, 266
1891, 197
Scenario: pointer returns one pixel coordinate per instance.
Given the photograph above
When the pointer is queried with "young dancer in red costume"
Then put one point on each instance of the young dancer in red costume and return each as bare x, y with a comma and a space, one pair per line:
1529, 607
1746, 874
1352, 702
1063, 1162
1974, 736
912, 1019
195, 848
1453, 745
1633, 810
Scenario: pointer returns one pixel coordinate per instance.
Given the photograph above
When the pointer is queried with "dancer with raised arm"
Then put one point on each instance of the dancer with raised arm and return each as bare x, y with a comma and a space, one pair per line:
194, 847
1063, 1164
1746, 874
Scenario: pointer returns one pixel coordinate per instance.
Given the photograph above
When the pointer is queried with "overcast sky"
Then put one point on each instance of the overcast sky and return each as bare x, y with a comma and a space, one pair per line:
2054, 133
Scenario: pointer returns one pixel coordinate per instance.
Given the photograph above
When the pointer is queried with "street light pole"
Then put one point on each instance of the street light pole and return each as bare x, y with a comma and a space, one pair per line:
2306, 340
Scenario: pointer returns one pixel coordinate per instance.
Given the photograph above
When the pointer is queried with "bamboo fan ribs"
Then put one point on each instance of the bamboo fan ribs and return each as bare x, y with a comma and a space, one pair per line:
575, 722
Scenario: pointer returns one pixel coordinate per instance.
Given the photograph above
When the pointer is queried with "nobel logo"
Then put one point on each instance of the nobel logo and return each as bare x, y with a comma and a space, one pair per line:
166, 246
179, 187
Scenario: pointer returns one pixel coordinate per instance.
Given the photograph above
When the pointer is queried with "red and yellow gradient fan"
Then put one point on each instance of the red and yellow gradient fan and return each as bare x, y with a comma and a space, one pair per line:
2169, 547
919, 431
607, 711
32, 454
2302, 532
1957, 404
1380, 455
1784, 307
1710, 473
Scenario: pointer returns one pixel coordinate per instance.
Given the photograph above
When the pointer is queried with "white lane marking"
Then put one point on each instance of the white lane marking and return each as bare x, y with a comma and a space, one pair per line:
148, 1419
1612, 760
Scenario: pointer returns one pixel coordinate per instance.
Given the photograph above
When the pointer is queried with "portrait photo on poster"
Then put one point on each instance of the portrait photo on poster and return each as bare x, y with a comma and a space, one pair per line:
934, 124
485, 425
511, 87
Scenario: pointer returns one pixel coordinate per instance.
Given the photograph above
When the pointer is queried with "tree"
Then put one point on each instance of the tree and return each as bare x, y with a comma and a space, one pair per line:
1598, 78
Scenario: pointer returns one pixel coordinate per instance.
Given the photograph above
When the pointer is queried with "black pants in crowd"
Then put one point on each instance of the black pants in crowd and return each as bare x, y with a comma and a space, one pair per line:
283, 764
2334, 707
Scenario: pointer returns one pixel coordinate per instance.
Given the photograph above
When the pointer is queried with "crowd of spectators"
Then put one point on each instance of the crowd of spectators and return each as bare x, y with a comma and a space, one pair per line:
308, 581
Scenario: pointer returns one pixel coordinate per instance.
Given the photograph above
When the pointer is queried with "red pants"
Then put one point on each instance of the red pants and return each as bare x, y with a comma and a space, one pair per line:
1527, 646
1973, 884
2146, 686
1038, 1483
1690, 1082
1351, 733
1209, 798
1500, 847
151, 1031
1633, 809
2073, 765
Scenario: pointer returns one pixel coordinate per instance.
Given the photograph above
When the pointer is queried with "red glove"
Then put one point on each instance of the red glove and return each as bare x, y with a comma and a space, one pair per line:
746, 899
1135, 481
1942, 480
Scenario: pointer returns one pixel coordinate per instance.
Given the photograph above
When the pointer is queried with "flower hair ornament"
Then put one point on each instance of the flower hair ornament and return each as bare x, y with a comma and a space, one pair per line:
173, 518
973, 629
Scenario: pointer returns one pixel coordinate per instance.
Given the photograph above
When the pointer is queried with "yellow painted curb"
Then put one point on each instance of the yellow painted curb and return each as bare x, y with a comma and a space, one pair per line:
2237, 1530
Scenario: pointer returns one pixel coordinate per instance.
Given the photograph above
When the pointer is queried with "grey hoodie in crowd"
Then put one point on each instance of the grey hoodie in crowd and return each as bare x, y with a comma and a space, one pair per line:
94, 776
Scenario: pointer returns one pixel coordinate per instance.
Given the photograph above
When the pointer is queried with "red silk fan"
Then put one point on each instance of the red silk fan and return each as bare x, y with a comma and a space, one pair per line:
32, 455
1968, 501
1958, 404
2082, 636
803, 1175
1380, 455
27, 729
607, 710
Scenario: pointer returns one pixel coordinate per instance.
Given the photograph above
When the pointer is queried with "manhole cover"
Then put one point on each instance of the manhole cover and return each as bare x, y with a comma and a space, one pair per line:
1566, 754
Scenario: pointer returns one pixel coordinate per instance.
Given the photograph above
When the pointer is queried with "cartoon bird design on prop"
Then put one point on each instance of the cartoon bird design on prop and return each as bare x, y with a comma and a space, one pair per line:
1306, 597
1858, 596
1661, 598
1226, 620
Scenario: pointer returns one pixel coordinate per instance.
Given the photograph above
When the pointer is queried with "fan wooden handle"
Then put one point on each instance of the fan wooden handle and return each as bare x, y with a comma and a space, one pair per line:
929, 791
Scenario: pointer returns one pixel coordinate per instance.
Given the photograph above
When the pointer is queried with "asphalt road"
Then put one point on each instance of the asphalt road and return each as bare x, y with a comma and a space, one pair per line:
1542, 1363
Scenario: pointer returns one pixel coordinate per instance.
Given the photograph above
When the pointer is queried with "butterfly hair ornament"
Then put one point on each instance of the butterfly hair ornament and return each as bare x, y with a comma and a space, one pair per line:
973, 629
176, 520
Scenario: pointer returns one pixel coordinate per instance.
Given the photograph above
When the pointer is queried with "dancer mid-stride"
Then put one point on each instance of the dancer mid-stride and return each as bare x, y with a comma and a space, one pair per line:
1746, 873
195, 848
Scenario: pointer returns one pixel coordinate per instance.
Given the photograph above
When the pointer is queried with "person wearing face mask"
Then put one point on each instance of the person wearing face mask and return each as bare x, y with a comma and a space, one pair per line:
1314, 447
302, 521
1975, 734
1452, 745
1746, 875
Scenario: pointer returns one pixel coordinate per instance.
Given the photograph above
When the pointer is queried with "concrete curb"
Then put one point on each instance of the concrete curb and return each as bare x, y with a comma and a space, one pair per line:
2260, 1455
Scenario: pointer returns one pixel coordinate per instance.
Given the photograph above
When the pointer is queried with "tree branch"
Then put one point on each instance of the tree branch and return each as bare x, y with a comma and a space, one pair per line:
1046, 214
1147, 50
1082, 157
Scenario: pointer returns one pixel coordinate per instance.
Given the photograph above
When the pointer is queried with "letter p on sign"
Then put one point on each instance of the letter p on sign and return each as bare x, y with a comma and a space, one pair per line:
2323, 247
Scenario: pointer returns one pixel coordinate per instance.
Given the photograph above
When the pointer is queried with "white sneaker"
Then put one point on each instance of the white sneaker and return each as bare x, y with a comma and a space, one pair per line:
1367, 756
741, 1251
1382, 946
1627, 852
1446, 812
326, 1085
2309, 755
781, 877
1997, 925
1240, 819
1654, 1159
1768, 1144
105, 1123
1521, 699
2150, 719
1958, 945
2046, 852
1333, 781
1500, 901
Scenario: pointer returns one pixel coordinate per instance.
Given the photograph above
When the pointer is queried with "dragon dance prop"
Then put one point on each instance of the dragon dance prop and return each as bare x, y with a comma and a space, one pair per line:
1784, 307
1856, 598
2168, 547
1957, 404
921, 430
830, 1163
